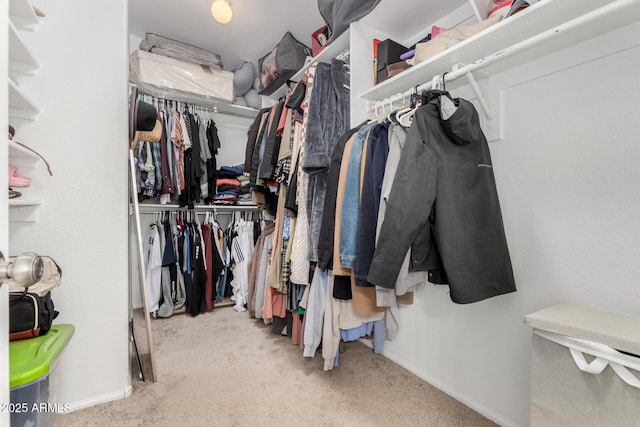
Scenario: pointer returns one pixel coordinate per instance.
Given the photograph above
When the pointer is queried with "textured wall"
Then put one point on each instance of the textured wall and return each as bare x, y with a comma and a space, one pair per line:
81, 87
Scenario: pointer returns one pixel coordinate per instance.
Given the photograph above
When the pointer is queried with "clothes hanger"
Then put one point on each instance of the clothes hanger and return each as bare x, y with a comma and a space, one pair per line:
432, 94
386, 116
379, 114
448, 105
382, 117
438, 88
373, 111
392, 115
405, 119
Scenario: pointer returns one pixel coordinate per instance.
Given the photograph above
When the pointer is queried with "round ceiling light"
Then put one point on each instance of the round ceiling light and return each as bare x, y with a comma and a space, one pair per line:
221, 11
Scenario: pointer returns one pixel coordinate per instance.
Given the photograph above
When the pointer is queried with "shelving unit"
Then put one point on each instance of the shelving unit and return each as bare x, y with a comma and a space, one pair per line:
23, 210
21, 60
338, 46
531, 22
218, 106
20, 156
22, 64
20, 106
22, 14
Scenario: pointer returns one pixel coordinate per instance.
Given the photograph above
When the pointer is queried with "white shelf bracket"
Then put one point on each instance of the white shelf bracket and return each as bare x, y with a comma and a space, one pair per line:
487, 98
474, 8
476, 89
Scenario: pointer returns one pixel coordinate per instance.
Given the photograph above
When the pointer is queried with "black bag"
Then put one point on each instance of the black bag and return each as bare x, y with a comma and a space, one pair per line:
30, 315
277, 66
339, 14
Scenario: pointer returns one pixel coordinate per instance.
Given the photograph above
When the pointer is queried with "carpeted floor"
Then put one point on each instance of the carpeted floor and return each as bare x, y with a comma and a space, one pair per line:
223, 369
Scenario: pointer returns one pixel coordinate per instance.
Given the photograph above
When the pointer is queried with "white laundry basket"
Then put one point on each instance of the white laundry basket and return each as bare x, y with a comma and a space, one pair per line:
584, 367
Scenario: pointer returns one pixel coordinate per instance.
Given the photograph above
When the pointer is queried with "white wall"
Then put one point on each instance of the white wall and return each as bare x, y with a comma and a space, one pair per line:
568, 180
81, 88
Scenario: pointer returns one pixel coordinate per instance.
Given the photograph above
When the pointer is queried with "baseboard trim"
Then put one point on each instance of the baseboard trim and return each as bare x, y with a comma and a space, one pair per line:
472, 403
103, 398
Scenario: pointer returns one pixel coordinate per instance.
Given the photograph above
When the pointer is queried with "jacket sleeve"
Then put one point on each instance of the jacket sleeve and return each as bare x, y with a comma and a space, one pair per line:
314, 313
412, 196
319, 121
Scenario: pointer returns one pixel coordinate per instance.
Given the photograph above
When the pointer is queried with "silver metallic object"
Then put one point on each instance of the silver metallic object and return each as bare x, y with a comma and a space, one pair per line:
26, 269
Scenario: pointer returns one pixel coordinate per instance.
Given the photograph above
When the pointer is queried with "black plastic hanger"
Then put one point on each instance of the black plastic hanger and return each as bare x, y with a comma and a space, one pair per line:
432, 94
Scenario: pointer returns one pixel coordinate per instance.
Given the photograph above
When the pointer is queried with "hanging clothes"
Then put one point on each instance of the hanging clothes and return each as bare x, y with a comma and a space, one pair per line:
374, 159
325, 239
446, 172
182, 166
179, 292
177, 138
199, 279
328, 119
213, 144
241, 251
300, 252
153, 267
210, 274
169, 259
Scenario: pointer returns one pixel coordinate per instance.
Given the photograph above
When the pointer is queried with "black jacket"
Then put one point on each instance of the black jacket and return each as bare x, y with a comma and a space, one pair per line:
328, 225
252, 137
445, 185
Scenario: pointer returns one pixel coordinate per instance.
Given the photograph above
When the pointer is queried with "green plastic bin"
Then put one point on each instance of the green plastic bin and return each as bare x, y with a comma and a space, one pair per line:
32, 363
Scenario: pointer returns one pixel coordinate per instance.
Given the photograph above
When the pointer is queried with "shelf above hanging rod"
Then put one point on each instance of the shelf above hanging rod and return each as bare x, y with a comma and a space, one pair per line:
216, 106
596, 21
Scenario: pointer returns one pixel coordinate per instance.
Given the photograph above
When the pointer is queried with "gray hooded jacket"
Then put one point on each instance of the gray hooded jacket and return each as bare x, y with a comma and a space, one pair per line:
444, 194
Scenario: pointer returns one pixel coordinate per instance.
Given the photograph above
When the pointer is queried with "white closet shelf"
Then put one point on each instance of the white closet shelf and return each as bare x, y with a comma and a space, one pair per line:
236, 110
332, 50
402, 20
543, 16
22, 13
20, 155
219, 106
21, 60
21, 202
20, 106
23, 210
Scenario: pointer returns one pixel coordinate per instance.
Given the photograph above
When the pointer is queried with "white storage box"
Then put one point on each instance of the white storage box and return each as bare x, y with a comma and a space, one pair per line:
584, 368
171, 78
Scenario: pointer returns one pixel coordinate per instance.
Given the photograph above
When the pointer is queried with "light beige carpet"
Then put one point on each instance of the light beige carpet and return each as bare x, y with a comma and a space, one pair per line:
223, 369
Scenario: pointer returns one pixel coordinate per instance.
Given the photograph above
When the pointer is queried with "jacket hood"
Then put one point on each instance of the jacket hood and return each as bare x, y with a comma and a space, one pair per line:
463, 126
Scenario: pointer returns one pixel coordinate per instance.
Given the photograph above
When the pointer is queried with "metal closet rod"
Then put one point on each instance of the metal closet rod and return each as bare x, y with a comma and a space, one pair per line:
525, 44
214, 208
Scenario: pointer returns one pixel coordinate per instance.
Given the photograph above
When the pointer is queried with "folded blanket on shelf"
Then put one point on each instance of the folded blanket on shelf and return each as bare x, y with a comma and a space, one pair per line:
179, 50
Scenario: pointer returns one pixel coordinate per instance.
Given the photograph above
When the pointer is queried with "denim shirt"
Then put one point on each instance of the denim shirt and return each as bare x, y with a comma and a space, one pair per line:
351, 200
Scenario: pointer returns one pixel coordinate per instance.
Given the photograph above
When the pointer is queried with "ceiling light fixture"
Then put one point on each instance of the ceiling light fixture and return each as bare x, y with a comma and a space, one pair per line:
221, 11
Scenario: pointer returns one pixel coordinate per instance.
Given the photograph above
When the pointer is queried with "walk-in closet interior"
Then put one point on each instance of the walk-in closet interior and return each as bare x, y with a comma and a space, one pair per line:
453, 184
